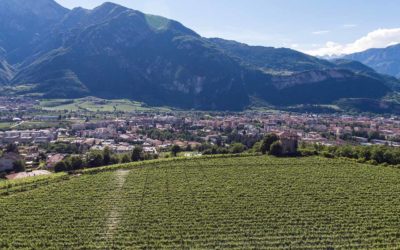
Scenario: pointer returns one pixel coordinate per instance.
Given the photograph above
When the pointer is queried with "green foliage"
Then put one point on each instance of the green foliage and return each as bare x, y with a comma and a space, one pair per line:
137, 154
61, 166
370, 154
125, 159
63, 148
267, 142
106, 156
75, 163
115, 159
95, 159
19, 166
169, 135
237, 148
215, 150
175, 150
276, 149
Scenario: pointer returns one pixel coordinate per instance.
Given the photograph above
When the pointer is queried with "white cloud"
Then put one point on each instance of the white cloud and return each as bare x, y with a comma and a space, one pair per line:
380, 38
350, 26
321, 32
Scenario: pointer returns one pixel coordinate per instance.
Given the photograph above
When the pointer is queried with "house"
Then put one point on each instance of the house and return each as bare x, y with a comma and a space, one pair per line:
289, 142
53, 160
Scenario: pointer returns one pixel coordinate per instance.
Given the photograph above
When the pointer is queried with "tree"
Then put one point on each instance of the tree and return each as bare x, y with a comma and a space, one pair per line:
364, 153
137, 154
76, 162
256, 147
276, 149
114, 159
95, 159
106, 156
12, 148
345, 151
60, 166
237, 148
188, 148
19, 166
125, 159
377, 154
42, 156
175, 150
267, 142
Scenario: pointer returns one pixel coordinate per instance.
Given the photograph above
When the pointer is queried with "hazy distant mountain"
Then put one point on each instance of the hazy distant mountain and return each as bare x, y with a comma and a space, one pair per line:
384, 61
359, 68
115, 52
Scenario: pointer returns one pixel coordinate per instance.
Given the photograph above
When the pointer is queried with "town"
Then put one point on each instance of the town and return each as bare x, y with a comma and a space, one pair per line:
38, 139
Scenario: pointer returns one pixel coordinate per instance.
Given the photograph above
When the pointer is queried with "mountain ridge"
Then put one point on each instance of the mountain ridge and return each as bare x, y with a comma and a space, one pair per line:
383, 60
115, 52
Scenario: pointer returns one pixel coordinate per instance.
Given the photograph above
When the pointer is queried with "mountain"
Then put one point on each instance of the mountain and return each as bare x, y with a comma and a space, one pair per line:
121, 53
6, 70
115, 52
272, 60
24, 23
361, 69
385, 61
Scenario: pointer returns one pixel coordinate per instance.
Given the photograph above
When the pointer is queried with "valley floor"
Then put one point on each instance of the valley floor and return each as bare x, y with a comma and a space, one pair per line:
242, 203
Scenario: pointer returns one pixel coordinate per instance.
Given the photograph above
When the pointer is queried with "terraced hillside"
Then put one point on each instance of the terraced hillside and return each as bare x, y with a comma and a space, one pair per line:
242, 203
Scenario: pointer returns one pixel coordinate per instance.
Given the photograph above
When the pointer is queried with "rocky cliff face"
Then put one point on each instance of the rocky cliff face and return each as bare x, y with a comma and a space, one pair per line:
310, 77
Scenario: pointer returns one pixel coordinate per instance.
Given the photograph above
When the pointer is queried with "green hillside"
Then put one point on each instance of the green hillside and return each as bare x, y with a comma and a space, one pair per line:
208, 203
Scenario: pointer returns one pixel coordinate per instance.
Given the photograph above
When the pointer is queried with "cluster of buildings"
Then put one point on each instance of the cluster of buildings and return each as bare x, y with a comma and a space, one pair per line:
28, 136
121, 133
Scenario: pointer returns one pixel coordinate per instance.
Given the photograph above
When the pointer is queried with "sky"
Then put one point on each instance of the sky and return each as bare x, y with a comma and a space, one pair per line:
316, 27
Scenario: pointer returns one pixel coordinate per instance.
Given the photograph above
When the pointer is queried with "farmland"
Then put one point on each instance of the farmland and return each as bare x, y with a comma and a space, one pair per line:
253, 202
93, 104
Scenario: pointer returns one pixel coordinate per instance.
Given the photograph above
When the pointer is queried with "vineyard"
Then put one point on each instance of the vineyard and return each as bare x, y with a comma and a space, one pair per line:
242, 203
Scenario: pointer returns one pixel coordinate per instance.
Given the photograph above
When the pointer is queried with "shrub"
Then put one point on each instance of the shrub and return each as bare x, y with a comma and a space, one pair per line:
60, 167
237, 148
327, 154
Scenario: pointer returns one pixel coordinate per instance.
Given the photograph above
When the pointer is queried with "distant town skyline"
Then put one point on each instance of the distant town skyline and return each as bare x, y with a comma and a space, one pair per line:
315, 27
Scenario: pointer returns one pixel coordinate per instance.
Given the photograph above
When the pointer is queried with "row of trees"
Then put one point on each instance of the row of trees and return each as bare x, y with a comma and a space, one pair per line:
101, 158
370, 154
107, 157
235, 148
270, 144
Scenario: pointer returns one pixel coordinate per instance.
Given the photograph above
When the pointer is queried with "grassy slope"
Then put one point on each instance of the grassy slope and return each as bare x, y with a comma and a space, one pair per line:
248, 202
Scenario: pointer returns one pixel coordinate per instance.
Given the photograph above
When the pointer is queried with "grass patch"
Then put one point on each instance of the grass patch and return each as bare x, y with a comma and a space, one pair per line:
93, 104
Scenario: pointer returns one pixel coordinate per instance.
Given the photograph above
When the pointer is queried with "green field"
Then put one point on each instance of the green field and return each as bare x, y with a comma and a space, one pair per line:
6, 125
93, 104
244, 203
